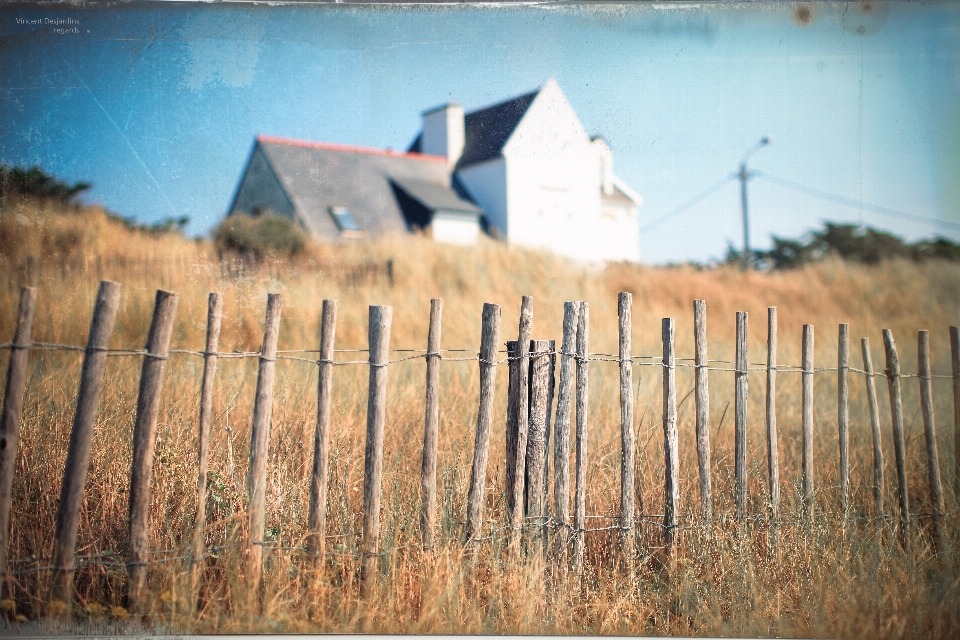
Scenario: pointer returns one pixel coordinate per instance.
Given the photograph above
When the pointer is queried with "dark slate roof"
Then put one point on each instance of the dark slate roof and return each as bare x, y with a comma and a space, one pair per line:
415, 145
434, 196
317, 176
487, 130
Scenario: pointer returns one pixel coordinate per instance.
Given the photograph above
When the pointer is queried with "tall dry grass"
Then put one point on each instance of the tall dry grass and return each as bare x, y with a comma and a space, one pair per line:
750, 579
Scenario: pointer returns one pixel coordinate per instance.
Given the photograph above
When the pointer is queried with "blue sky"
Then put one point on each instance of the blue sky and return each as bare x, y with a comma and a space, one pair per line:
158, 105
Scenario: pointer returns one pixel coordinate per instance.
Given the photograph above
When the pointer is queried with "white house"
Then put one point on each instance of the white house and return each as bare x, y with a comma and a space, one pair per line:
540, 179
524, 168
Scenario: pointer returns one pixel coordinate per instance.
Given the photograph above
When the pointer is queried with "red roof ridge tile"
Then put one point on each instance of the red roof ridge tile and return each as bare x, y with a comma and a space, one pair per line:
334, 146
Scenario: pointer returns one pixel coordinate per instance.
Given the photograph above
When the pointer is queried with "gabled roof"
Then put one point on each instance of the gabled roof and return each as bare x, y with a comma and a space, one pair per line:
317, 176
487, 130
618, 197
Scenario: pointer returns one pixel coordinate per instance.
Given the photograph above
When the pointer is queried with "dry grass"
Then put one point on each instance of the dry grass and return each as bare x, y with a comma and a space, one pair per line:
747, 580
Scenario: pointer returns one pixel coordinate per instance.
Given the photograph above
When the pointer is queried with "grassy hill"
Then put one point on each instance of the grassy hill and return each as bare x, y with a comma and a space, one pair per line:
744, 580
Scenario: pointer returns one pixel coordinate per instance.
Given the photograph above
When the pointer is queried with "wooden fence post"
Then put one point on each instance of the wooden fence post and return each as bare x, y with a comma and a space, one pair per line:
10, 420
561, 444
523, 416
510, 441
843, 354
773, 450
535, 505
489, 339
671, 482
431, 428
955, 362
214, 320
874, 426
740, 412
260, 441
144, 441
317, 518
896, 415
701, 385
379, 332
583, 363
807, 408
930, 433
551, 383
81, 436
627, 439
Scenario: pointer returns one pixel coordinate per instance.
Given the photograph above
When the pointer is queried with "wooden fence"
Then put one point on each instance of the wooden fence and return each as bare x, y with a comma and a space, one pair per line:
533, 421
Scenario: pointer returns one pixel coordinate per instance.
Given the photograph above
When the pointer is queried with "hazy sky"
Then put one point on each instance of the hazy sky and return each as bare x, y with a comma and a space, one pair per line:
158, 105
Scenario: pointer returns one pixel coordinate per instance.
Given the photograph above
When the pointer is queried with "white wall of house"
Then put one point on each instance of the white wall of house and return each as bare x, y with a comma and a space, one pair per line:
619, 227
553, 170
487, 182
454, 228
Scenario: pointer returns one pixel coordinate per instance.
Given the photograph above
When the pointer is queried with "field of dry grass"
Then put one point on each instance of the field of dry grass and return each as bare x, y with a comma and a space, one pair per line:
749, 579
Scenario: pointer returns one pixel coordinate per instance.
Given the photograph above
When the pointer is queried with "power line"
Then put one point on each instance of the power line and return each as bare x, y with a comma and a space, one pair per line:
701, 196
849, 201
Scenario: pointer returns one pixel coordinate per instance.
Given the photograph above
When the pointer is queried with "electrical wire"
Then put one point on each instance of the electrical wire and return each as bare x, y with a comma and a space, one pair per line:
701, 196
850, 202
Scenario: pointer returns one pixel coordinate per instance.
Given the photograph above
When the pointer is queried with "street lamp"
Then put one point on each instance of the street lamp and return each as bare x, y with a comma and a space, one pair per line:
744, 175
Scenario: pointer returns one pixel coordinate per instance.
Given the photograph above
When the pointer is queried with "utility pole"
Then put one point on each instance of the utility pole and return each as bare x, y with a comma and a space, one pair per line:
745, 256
744, 175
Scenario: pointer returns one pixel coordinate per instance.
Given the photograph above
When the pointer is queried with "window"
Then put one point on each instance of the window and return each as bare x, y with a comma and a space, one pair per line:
344, 221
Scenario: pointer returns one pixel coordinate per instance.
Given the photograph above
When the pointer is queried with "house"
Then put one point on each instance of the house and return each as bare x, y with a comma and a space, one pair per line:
339, 191
525, 169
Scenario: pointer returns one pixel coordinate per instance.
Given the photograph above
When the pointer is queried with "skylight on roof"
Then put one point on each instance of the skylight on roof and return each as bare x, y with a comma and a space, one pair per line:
344, 220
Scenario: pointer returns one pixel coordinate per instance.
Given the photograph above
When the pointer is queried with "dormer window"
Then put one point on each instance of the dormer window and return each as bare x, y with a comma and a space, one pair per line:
344, 221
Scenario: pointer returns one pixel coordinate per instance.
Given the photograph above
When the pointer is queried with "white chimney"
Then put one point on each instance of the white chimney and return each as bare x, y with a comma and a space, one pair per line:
605, 157
443, 132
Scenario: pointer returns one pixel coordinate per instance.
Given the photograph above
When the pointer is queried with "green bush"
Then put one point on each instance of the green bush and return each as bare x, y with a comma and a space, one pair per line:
850, 242
268, 235
36, 183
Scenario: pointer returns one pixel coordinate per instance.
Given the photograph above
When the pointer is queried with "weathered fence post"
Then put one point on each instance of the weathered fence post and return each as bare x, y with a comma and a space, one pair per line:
843, 354
671, 482
523, 415
489, 339
10, 420
874, 426
740, 413
551, 383
379, 331
431, 428
260, 441
317, 518
144, 440
214, 320
535, 506
896, 415
701, 385
510, 439
627, 440
955, 362
930, 433
81, 436
561, 444
773, 450
807, 409
580, 505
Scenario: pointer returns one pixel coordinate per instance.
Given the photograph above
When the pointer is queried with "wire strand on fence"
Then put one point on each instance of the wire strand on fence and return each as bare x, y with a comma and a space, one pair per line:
422, 353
